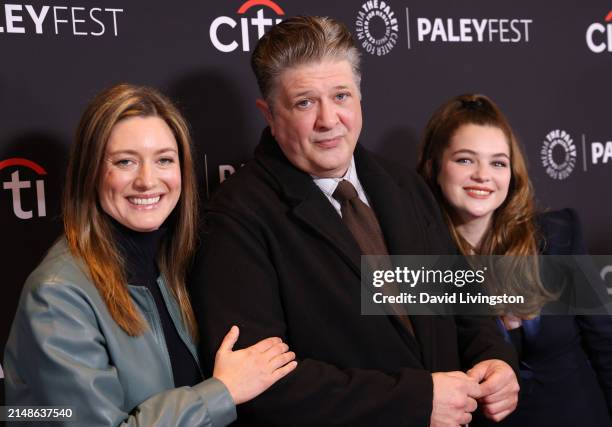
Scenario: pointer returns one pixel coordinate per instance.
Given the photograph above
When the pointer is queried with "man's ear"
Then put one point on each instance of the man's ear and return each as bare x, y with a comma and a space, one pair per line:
266, 112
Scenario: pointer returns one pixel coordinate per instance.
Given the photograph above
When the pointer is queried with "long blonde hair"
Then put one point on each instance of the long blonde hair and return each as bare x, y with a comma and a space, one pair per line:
88, 228
513, 230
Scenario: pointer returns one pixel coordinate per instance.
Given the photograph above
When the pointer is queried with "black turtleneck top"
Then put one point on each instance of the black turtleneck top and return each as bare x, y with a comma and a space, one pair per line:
140, 250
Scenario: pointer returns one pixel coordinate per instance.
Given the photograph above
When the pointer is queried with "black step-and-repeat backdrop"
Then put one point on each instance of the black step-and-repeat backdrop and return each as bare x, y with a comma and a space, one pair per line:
548, 64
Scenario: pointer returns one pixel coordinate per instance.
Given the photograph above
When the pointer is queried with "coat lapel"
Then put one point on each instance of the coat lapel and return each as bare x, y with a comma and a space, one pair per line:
403, 230
317, 213
405, 234
309, 204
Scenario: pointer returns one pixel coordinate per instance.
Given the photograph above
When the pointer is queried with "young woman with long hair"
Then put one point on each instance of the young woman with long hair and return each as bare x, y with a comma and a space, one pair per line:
472, 162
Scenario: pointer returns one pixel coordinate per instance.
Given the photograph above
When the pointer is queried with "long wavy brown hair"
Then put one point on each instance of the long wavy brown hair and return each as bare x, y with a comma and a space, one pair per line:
512, 230
88, 228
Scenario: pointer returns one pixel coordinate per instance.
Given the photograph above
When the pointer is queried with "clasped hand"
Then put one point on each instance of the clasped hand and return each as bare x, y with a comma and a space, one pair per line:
490, 384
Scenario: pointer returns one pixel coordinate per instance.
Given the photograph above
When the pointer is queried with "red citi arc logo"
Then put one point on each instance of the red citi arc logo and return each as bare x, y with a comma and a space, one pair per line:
224, 39
15, 185
599, 36
249, 4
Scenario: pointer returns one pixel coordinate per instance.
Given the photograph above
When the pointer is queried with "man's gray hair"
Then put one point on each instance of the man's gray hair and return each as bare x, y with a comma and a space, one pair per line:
302, 40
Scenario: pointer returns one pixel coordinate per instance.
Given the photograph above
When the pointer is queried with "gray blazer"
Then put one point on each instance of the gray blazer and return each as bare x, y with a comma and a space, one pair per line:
64, 349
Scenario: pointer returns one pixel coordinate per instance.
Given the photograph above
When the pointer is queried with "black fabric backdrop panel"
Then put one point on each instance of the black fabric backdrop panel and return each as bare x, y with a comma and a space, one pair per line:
547, 64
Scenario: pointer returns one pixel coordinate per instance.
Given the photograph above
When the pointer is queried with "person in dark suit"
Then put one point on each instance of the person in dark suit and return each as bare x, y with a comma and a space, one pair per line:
280, 257
471, 160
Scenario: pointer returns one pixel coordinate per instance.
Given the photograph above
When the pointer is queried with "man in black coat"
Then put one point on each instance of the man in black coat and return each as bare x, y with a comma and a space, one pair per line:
278, 260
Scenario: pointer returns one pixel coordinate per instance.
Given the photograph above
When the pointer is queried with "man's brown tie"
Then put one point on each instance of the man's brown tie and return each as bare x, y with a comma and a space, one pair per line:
363, 225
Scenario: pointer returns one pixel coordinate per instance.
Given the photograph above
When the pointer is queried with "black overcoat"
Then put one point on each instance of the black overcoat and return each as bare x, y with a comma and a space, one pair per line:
277, 260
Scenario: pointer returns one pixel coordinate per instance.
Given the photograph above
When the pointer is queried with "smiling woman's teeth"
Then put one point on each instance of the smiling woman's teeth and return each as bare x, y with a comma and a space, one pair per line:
479, 192
150, 201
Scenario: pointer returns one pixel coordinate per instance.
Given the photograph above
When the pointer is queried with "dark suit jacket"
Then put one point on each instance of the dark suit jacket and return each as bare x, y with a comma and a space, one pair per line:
566, 361
277, 260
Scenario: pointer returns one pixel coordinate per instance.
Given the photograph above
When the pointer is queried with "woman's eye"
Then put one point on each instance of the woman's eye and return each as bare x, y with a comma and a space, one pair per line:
165, 161
500, 164
464, 161
123, 163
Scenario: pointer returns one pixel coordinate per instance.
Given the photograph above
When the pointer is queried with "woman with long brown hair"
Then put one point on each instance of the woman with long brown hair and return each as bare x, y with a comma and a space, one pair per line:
104, 324
472, 162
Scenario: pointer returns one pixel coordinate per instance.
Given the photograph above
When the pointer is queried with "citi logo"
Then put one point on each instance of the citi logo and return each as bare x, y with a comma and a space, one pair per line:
15, 185
599, 36
226, 38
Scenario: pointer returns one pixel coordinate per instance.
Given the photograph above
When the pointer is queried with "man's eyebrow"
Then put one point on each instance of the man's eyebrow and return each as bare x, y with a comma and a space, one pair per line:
309, 91
302, 93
